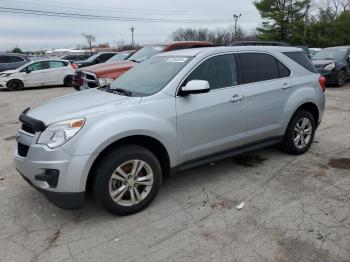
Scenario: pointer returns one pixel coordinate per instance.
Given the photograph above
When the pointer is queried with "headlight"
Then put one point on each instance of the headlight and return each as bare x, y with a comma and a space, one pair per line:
5, 75
329, 67
59, 133
104, 81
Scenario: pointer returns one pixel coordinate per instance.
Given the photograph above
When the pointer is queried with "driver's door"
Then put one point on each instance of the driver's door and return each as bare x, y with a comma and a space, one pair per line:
35, 74
213, 122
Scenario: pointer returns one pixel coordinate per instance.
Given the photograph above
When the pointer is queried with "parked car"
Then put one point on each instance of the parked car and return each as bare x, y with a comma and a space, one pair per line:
9, 61
314, 51
95, 59
39, 73
74, 58
334, 64
172, 112
259, 43
99, 75
123, 55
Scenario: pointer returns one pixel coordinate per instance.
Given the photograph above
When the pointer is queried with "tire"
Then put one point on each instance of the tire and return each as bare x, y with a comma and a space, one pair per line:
15, 85
290, 143
68, 81
341, 78
124, 159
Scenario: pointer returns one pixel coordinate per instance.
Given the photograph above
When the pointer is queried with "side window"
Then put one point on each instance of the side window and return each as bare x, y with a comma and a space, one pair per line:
15, 59
56, 64
39, 66
5, 59
283, 70
220, 71
258, 67
103, 58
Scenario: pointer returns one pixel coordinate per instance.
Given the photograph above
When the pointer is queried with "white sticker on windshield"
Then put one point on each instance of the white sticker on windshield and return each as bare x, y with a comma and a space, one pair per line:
158, 48
176, 60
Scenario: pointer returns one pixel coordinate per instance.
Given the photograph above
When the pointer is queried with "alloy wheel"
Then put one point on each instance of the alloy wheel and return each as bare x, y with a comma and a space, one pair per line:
131, 182
302, 133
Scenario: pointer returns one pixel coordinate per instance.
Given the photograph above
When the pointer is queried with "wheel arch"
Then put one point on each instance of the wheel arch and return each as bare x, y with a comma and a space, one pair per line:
15, 79
150, 143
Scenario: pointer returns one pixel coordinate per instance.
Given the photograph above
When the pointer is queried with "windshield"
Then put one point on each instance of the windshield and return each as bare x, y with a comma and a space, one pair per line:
150, 76
330, 54
118, 57
92, 58
146, 53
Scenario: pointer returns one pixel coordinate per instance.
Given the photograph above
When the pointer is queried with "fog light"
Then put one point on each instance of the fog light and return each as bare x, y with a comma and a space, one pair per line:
50, 176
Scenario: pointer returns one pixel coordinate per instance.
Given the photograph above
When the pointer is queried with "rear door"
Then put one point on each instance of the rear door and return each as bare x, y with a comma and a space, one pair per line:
212, 122
57, 72
267, 85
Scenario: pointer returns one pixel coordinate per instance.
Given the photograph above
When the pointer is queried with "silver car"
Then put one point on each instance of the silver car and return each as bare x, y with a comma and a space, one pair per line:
172, 112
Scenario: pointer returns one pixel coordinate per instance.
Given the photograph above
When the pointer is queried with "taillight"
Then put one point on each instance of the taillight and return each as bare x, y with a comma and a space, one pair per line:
74, 66
323, 81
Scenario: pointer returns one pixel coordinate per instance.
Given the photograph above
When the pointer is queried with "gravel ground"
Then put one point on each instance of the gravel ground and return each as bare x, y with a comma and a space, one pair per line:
296, 208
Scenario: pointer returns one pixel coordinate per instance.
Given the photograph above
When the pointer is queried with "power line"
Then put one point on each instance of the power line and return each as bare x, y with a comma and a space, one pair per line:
104, 17
130, 10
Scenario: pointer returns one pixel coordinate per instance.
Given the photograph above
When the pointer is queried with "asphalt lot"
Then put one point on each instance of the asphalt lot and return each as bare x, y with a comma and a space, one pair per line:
296, 208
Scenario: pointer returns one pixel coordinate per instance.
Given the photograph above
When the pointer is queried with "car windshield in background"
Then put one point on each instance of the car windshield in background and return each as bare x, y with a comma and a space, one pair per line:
118, 57
330, 54
150, 76
92, 58
146, 53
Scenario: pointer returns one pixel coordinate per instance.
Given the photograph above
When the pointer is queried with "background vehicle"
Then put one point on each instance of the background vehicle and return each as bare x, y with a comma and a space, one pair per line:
95, 59
174, 111
39, 73
123, 55
99, 75
9, 61
73, 58
314, 51
334, 64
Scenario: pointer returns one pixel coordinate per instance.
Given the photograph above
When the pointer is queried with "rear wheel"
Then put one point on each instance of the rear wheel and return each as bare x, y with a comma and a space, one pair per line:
14, 85
341, 78
127, 180
68, 81
300, 133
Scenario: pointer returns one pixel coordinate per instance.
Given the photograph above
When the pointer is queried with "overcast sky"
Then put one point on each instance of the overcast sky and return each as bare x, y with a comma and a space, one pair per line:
31, 32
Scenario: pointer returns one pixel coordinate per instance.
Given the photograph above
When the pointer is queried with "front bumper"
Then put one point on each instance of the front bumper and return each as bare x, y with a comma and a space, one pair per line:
331, 76
65, 187
3, 82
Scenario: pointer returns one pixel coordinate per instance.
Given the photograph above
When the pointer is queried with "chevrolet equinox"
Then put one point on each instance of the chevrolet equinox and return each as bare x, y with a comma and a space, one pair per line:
172, 112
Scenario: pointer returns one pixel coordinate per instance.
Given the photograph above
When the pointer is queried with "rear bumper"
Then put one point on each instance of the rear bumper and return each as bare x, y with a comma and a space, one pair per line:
64, 200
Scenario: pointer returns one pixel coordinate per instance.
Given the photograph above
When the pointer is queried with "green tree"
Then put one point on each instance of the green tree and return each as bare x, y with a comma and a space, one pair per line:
16, 50
284, 18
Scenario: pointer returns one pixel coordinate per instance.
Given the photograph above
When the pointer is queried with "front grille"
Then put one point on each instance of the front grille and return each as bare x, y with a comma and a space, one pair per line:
78, 74
22, 150
28, 128
90, 77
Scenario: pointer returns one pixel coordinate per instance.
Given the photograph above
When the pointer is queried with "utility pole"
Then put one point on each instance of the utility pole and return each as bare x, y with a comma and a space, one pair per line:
236, 17
132, 29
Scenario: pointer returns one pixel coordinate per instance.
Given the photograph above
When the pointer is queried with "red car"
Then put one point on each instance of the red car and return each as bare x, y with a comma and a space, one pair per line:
102, 74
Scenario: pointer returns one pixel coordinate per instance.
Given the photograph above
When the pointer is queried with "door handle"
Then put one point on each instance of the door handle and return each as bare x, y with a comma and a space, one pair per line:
286, 86
236, 98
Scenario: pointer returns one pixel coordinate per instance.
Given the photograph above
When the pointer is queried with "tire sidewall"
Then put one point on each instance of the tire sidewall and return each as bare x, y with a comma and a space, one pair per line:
289, 136
20, 85
108, 166
341, 81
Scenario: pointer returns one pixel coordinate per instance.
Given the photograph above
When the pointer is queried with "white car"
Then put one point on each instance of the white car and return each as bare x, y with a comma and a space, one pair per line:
47, 72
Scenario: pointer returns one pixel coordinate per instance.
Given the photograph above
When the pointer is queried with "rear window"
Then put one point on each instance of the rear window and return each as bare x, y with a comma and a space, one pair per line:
301, 59
258, 67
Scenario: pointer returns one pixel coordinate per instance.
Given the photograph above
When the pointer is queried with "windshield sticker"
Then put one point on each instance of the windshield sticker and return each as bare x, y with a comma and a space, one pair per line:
158, 48
177, 60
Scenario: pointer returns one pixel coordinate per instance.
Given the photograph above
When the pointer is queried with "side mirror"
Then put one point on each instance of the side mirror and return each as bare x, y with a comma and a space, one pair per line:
28, 71
195, 87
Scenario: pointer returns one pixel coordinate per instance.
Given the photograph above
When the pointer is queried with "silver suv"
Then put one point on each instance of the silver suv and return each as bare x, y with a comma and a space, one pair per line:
172, 112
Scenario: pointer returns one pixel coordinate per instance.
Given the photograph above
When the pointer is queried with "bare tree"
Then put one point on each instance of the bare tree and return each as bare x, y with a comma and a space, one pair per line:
90, 39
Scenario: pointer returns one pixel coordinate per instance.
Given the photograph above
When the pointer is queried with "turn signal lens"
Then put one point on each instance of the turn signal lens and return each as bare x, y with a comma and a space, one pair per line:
323, 81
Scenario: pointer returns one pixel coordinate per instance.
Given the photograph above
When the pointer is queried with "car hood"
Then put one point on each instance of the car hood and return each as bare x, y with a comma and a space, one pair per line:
79, 104
322, 62
9, 72
109, 70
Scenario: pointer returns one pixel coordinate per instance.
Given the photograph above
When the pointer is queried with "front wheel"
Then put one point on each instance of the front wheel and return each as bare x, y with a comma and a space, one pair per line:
341, 78
300, 133
127, 180
68, 81
14, 85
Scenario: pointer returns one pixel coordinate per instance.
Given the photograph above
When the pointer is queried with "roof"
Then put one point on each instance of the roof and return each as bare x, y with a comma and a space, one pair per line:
338, 47
181, 42
257, 43
196, 51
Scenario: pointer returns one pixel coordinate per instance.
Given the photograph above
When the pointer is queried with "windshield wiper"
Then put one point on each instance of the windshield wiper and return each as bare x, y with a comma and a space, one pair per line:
136, 61
120, 91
